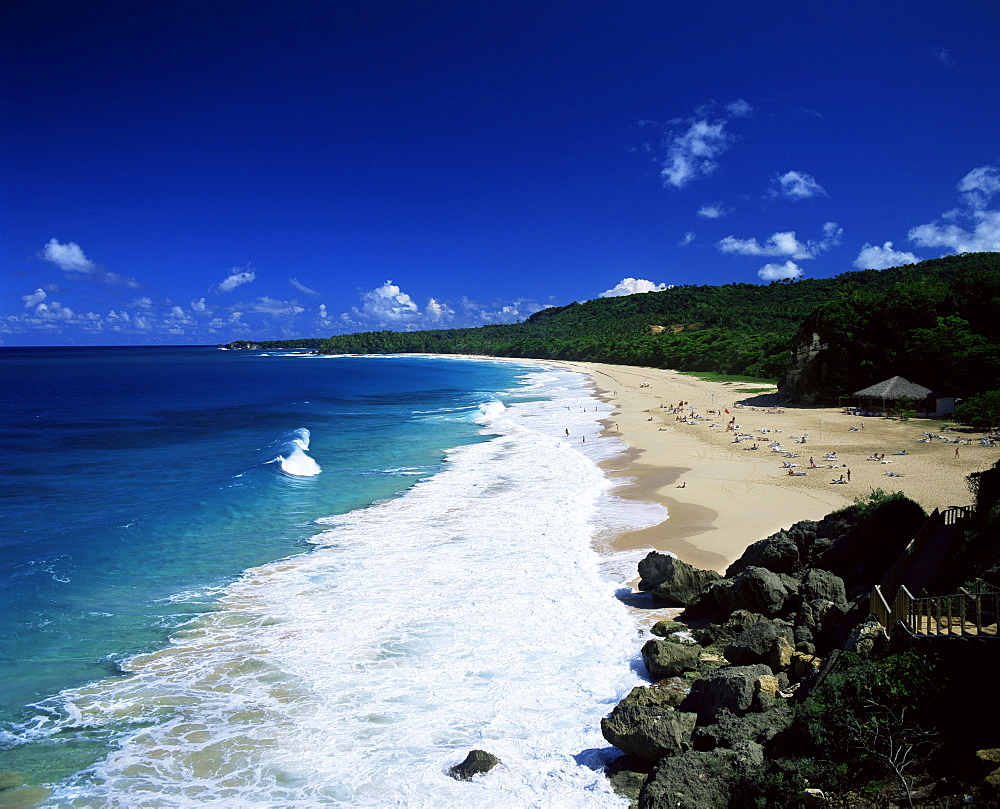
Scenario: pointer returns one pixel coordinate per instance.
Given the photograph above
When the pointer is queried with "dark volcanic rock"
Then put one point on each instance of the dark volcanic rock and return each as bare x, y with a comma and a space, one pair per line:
664, 629
627, 774
730, 730
756, 643
664, 658
828, 622
777, 553
672, 581
804, 641
733, 625
731, 688
478, 761
688, 781
867, 639
823, 584
642, 725
698, 780
755, 589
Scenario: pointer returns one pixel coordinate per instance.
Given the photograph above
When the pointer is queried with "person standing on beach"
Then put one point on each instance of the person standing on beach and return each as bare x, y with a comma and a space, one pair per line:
848, 475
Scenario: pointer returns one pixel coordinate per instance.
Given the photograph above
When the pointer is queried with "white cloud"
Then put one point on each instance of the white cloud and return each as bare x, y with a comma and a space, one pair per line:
979, 185
984, 237
690, 146
476, 314
176, 318
692, 153
275, 308
873, 257
943, 55
632, 286
34, 298
982, 232
779, 272
739, 108
714, 211
200, 307
796, 185
68, 257
302, 287
389, 303
54, 311
689, 237
784, 243
237, 277
438, 312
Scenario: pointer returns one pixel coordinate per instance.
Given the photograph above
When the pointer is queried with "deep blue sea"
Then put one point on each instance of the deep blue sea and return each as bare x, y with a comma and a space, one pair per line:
246, 578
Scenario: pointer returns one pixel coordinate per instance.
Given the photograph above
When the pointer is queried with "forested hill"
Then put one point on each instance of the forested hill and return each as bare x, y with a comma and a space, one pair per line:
752, 329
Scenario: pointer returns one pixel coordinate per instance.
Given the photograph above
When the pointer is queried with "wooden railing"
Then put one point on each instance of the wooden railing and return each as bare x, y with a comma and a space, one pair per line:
956, 514
909, 561
969, 613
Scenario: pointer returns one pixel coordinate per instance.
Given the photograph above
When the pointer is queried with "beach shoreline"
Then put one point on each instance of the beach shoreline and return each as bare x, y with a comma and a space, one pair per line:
722, 496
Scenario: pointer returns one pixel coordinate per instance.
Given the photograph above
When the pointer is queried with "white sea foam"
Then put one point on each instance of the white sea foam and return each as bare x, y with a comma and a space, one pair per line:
469, 613
294, 460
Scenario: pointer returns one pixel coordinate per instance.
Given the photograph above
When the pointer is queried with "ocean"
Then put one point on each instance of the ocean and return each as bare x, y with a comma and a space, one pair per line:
263, 578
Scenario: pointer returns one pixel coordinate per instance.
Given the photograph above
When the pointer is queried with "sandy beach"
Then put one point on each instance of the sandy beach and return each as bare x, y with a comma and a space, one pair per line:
722, 495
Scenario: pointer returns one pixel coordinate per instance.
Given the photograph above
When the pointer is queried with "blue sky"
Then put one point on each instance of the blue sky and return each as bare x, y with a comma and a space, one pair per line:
197, 172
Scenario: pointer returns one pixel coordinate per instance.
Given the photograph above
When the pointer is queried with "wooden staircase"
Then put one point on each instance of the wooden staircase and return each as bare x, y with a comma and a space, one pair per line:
969, 613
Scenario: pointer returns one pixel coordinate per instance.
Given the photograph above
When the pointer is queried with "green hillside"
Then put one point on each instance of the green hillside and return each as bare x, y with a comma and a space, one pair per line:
935, 322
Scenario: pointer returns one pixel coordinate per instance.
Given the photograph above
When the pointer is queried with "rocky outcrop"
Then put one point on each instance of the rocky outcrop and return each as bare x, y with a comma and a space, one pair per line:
730, 730
670, 581
732, 689
478, 761
824, 585
665, 658
868, 639
645, 726
688, 781
755, 589
789, 601
760, 643
696, 780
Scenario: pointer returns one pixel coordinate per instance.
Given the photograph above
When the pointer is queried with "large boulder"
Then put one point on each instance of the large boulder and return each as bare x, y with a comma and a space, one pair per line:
695, 780
644, 726
730, 731
868, 639
777, 553
688, 781
756, 644
732, 689
664, 658
823, 584
755, 589
671, 581
733, 625
478, 761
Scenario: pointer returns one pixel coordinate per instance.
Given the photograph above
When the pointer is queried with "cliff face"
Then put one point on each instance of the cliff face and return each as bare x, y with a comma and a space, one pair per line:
796, 385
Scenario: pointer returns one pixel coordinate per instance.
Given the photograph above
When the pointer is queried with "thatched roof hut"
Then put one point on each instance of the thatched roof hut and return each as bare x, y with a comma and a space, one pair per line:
893, 389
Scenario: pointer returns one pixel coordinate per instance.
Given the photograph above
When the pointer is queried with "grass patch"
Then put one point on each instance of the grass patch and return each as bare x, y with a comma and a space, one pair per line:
727, 379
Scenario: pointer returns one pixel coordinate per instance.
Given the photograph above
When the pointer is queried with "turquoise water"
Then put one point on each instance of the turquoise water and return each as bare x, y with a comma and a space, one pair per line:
150, 490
